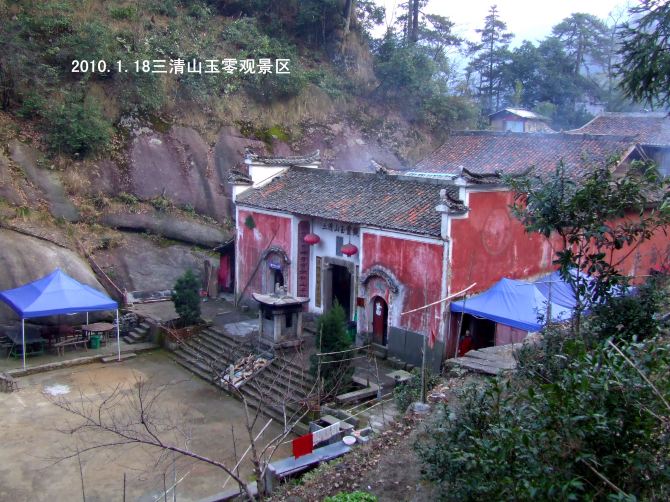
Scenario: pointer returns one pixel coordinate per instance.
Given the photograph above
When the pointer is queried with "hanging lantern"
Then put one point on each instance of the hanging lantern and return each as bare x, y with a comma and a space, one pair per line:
349, 249
312, 239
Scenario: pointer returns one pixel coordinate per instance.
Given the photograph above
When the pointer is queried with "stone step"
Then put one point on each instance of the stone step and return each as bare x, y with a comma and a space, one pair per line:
218, 339
274, 373
192, 366
216, 351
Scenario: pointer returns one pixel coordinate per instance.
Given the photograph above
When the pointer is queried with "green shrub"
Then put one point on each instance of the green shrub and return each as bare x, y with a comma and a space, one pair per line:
186, 298
597, 426
336, 369
161, 203
410, 391
76, 128
356, 496
631, 317
252, 43
128, 198
165, 7
33, 105
121, 12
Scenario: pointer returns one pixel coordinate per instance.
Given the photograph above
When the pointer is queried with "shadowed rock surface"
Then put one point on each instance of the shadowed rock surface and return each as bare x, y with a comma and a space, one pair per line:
24, 259
141, 263
170, 226
48, 182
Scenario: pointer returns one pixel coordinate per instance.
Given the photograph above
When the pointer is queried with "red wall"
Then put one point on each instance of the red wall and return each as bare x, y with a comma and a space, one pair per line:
418, 267
252, 243
637, 261
491, 244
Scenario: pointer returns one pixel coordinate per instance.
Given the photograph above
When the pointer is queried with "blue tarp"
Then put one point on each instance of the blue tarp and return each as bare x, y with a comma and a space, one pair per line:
57, 293
515, 303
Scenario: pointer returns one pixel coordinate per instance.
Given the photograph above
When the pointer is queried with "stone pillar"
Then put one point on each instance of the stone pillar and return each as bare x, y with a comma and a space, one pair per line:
277, 326
298, 324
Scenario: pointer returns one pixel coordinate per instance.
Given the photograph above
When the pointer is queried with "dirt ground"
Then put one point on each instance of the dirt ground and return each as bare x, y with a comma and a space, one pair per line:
32, 441
387, 466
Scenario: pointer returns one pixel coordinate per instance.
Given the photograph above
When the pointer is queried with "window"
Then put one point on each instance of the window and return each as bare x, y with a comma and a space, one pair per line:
339, 242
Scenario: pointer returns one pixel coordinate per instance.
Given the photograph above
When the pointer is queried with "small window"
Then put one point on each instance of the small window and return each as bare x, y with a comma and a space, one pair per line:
289, 320
339, 242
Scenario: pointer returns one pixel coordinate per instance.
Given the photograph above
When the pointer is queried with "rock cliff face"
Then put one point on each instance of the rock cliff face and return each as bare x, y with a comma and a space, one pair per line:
24, 258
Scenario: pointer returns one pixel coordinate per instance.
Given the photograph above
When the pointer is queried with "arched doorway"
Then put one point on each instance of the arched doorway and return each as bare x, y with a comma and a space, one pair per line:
380, 314
276, 270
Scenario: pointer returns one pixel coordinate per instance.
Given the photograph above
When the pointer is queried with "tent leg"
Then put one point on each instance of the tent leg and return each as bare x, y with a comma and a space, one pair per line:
86, 317
23, 341
118, 336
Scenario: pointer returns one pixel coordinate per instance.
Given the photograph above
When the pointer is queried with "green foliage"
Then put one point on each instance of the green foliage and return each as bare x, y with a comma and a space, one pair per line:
356, 496
33, 105
161, 203
121, 12
645, 53
587, 214
410, 391
76, 127
128, 198
336, 369
631, 317
164, 7
490, 55
251, 43
186, 298
539, 439
249, 222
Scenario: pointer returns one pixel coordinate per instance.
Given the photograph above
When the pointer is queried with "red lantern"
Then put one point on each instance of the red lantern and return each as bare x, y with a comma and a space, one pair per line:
312, 239
349, 249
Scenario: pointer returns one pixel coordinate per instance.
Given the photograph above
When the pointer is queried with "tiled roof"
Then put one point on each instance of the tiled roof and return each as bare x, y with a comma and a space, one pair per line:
647, 128
377, 200
298, 160
482, 152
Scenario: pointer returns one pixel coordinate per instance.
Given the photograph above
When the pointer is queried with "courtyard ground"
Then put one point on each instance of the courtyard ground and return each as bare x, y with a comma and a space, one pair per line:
31, 441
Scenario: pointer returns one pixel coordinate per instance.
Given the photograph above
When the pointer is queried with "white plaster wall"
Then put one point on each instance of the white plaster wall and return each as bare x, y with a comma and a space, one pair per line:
261, 174
325, 248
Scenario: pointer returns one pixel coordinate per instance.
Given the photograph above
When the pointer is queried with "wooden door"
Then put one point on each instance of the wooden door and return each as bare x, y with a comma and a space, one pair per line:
379, 320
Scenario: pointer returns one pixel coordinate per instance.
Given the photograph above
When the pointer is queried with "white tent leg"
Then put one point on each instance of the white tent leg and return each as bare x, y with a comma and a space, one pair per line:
86, 317
23, 341
118, 335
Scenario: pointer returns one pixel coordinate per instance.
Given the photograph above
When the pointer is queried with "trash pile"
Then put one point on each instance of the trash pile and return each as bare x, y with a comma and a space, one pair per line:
439, 394
243, 369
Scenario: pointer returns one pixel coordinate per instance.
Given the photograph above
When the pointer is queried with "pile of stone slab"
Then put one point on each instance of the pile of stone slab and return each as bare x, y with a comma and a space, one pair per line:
244, 369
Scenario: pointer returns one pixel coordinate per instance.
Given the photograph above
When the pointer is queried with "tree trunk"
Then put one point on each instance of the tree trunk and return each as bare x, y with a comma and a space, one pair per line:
415, 21
349, 9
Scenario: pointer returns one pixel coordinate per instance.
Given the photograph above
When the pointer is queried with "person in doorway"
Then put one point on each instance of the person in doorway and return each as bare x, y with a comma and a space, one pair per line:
465, 344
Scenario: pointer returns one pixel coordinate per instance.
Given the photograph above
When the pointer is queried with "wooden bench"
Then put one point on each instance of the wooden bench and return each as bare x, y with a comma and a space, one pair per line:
60, 346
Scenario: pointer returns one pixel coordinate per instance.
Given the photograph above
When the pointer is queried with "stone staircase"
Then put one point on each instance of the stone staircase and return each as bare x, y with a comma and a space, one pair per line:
138, 334
282, 383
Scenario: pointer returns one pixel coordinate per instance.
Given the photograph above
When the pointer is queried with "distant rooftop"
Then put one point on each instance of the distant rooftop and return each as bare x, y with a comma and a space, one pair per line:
485, 152
400, 203
520, 112
649, 128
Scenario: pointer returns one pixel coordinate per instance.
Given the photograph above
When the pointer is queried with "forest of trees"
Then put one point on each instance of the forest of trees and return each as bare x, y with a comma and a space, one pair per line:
574, 66
421, 67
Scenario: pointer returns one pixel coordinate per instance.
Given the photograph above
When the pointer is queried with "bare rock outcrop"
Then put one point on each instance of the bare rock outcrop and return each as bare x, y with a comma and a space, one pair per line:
24, 259
170, 226
142, 264
48, 182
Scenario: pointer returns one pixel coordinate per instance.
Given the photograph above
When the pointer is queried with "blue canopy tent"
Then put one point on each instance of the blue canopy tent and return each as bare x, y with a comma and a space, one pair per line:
57, 293
514, 303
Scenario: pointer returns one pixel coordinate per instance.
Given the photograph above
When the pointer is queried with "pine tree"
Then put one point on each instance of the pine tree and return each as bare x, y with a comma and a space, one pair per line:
336, 369
489, 57
186, 298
